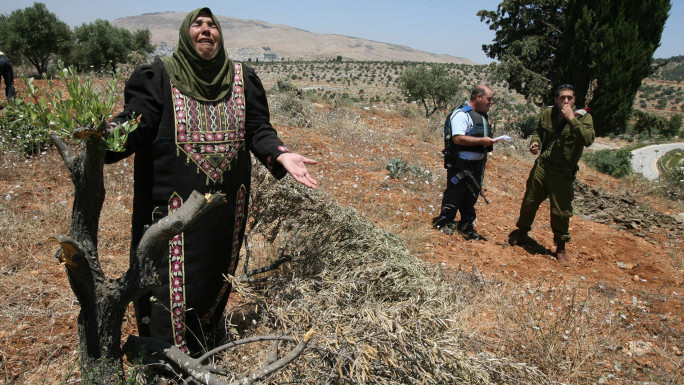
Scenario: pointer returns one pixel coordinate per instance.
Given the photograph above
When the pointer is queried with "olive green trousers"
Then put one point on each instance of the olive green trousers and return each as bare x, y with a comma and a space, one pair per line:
557, 185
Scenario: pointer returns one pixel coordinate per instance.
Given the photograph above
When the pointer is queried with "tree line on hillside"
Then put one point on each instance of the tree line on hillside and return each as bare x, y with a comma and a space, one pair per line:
672, 71
36, 35
604, 48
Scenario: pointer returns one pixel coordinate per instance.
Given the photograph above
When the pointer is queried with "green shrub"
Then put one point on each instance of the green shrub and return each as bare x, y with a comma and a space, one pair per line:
27, 125
648, 123
294, 109
616, 163
674, 182
18, 135
397, 168
284, 85
672, 126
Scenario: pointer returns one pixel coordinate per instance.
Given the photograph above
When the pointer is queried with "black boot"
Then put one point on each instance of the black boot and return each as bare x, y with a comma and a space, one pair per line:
468, 232
440, 224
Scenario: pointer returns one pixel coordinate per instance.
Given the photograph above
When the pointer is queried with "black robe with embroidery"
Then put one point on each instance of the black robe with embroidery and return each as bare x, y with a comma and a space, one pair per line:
183, 145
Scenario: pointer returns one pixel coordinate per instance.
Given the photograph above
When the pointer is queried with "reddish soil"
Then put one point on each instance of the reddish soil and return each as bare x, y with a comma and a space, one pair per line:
642, 263
635, 260
595, 249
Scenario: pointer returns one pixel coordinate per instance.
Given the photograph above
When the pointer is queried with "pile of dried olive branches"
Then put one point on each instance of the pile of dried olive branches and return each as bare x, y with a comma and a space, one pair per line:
381, 316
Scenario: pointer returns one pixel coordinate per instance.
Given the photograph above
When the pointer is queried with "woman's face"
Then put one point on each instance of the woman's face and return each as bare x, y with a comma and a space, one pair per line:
205, 36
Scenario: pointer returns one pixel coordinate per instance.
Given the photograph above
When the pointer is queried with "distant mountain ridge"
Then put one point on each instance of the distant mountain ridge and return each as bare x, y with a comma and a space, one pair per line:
253, 39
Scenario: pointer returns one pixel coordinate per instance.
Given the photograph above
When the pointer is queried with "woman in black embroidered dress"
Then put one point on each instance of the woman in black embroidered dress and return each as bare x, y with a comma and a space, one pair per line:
201, 116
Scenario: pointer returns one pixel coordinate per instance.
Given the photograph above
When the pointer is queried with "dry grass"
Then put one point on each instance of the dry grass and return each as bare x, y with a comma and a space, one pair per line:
39, 342
384, 317
30, 296
381, 316
573, 340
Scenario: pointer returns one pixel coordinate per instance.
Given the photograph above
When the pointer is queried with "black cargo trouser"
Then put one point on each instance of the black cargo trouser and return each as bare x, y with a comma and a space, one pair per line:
458, 197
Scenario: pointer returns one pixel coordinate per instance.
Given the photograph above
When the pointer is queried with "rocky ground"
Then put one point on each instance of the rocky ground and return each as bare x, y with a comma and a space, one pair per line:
624, 244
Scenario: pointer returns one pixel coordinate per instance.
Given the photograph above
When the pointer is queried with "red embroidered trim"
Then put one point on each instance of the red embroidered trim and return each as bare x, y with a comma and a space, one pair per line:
177, 281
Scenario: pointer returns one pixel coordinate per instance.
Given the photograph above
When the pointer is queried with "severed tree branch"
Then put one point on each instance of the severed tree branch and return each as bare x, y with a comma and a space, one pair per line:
277, 365
203, 373
142, 272
243, 341
71, 251
67, 155
163, 350
273, 266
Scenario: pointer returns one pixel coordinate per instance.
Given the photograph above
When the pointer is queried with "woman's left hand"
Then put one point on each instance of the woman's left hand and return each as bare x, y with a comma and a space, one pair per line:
295, 164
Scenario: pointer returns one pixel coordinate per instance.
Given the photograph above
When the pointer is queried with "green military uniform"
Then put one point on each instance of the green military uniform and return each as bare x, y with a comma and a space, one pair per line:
562, 143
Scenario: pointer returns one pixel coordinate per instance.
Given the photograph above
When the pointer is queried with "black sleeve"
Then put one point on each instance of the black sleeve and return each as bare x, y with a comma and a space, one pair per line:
143, 95
263, 139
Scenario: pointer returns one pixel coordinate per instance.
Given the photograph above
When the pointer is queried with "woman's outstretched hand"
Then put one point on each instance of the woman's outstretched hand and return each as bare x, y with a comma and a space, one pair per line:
295, 164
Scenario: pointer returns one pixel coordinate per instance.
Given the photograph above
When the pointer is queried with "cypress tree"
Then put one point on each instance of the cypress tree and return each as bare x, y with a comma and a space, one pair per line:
528, 36
610, 43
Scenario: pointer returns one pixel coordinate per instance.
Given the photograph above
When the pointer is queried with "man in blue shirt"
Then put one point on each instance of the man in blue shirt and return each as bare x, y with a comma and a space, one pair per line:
467, 139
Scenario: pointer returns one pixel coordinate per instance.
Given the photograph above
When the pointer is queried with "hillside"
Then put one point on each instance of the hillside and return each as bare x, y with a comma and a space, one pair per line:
614, 316
251, 39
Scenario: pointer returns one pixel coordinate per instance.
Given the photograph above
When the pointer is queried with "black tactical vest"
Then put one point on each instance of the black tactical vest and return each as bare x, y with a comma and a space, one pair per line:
452, 149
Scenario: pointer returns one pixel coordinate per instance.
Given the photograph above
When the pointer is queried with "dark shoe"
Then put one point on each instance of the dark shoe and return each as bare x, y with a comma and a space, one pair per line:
448, 229
562, 255
518, 237
438, 222
468, 232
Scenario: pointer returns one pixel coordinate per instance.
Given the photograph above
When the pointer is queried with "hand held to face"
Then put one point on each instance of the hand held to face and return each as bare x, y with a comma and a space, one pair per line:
567, 112
534, 148
565, 100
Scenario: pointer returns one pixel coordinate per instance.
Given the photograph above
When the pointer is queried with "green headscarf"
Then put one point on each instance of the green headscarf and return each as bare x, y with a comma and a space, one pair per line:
201, 79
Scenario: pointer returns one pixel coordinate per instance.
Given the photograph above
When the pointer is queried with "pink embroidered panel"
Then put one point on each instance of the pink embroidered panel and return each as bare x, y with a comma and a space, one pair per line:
211, 133
177, 281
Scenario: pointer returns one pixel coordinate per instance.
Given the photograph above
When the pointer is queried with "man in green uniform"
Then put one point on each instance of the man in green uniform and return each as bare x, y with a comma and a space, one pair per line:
562, 135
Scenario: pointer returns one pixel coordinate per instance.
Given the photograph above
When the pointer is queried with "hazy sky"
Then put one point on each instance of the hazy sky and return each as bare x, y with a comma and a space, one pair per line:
438, 26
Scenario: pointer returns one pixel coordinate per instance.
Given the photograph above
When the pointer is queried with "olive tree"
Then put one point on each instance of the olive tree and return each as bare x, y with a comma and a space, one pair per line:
431, 86
36, 34
100, 45
80, 127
